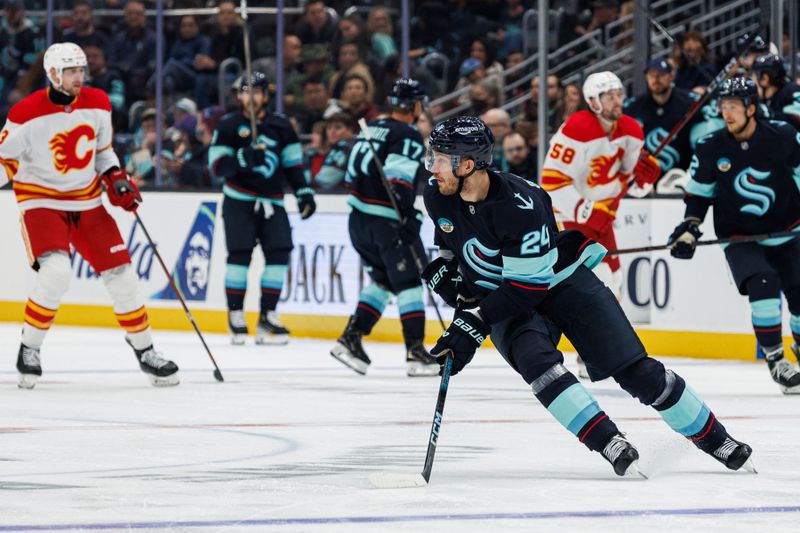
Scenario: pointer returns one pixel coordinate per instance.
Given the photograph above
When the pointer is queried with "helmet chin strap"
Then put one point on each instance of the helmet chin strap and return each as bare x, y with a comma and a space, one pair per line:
746, 123
462, 179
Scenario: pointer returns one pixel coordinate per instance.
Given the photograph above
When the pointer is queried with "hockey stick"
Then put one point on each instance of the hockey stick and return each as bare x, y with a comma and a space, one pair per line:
379, 165
397, 480
217, 373
727, 240
248, 70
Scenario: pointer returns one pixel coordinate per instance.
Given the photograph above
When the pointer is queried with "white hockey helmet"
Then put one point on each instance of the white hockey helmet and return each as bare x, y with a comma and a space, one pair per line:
60, 56
598, 83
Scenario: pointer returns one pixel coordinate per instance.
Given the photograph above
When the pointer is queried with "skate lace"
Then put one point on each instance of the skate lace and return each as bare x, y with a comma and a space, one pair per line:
272, 318
726, 449
153, 358
783, 369
237, 319
30, 356
614, 448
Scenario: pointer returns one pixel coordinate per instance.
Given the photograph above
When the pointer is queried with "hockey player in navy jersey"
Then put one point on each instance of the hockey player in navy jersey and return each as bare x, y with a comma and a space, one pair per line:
382, 240
780, 96
511, 274
750, 171
255, 176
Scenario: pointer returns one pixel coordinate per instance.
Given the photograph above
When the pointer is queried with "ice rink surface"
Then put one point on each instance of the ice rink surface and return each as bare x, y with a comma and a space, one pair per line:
288, 441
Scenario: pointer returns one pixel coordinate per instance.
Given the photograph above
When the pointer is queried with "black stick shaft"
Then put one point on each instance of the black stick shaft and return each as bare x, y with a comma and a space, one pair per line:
217, 372
728, 240
438, 416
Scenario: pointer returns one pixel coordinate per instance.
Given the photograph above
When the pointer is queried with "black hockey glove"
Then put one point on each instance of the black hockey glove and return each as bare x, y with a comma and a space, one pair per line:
464, 335
305, 202
251, 156
443, 278
407, 231
683, 240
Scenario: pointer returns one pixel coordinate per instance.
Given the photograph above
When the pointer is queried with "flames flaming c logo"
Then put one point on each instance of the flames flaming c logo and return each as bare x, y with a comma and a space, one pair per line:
65, 148
604, 169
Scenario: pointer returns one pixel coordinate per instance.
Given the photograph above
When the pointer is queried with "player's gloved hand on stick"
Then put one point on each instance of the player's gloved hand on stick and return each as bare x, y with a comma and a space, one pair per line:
683, 240
597, 219
443, 278
464, 335
407, 231
306, 205
647, 170
122, 192
251, 156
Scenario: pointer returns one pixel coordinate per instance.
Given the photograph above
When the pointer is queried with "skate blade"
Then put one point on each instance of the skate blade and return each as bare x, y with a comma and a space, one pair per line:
272, 339
634, 470
164, 381
790, 390
341, 354
27, 381
416, 369
750, 467
396, 480
238, 339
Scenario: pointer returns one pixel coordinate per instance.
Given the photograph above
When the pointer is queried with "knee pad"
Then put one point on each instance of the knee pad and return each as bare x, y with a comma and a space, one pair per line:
241, 257
123, 287
645, 380
763, 286
277, 257
52, 280
612, 280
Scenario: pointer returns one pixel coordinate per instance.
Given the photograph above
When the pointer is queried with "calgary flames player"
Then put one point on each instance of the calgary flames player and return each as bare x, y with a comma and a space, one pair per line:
596, 157
56, 148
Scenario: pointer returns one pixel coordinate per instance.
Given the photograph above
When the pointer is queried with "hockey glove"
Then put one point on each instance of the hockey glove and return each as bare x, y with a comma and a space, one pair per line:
647, 170
305, 202
599, 221
443, 278
251, 156
683, 240
122, 192
464, 335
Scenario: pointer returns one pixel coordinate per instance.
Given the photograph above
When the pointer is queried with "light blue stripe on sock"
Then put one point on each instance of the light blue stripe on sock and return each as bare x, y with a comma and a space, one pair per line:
689, 415
794, 324
273, 276
573, 408
375, 297
766, 312
410, 300
236, 276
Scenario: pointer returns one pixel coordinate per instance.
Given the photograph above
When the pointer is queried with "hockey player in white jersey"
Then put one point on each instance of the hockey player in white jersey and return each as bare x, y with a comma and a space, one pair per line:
56, 149
595, 157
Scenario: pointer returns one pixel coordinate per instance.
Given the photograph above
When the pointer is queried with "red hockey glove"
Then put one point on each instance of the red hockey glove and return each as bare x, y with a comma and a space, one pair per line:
122, 192
647, 170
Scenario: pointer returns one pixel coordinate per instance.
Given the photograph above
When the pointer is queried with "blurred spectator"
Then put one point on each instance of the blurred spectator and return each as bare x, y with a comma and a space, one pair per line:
530, 132
340, 133
603, 12
514, 58
351, 28
349, 61
499, 122
354, 99
573, 100
140, 165
511, 18
518, 158
108, 80
379, 28
190, 166
554, 103
206, 124
179, 72
314, 106
316, 151
32, 80
292, 74
693, 67
482, 50
227, 40
133, 51
316, 26
183, 108
83, 32
482, 97
20, 42
316, 64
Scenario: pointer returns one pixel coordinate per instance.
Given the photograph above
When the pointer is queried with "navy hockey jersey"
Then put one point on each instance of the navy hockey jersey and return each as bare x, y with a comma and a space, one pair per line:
785, 105
753, 184
284, 158
400, 148
334, 168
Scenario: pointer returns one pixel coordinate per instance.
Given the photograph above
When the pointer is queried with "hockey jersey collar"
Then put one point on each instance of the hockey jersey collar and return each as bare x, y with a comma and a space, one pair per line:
498, 190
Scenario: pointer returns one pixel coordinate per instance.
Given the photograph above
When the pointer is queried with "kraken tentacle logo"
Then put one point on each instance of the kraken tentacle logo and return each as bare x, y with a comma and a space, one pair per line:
65, 148
669, 156
474, 253
762, 196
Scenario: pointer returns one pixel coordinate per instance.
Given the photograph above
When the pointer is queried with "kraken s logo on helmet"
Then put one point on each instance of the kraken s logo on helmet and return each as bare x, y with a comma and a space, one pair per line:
67, 155
762, 196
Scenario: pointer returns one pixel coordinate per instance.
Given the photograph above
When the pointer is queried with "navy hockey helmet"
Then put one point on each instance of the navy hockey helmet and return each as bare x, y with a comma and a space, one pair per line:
405, 93
461, 138
771, 65
259, 80
757, 44
740, 88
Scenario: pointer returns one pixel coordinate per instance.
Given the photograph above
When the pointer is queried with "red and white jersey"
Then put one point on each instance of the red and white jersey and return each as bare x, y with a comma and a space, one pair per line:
55, 153
586, 163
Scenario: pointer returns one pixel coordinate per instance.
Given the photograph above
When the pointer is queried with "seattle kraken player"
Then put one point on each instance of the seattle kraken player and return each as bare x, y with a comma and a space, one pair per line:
780, 96
510, 273
253, 205
750, 171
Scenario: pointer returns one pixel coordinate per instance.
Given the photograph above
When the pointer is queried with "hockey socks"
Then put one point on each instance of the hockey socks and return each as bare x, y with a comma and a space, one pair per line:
235, 286
122, 285
272, 286
52, 281
766, 315
371, 303
574, 407
412, 313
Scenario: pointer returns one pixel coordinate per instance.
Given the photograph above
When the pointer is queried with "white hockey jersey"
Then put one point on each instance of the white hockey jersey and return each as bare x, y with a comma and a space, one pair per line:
55, 153
586, 163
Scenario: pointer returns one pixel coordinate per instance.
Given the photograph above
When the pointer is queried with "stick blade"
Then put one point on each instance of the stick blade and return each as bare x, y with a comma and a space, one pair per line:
396, 480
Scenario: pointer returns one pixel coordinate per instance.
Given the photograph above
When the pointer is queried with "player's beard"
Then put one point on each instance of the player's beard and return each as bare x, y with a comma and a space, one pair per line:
447, 186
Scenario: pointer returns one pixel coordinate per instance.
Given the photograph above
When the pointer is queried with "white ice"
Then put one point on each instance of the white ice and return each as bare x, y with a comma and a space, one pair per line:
288, 442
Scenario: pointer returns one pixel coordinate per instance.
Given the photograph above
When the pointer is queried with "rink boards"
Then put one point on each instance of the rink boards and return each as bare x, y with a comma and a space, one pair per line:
687, 308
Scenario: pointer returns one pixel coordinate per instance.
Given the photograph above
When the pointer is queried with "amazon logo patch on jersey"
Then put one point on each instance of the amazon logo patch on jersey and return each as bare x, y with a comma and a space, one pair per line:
723, 164
445, 225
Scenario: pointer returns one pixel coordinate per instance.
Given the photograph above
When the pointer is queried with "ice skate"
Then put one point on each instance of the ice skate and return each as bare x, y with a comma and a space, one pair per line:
269, 329
161, 372
735, 455
29, 366
237, 325
784, 373
622, 456
349, 351
582, 372
419, 362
